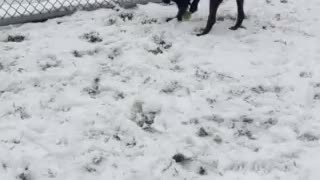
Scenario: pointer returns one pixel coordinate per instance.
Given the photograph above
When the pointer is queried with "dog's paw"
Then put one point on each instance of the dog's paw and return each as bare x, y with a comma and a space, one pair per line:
169, 19
201, 34
198, 31
233, 28
202, 31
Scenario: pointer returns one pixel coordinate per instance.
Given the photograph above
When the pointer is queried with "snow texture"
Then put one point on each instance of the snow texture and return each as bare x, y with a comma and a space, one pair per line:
124, 95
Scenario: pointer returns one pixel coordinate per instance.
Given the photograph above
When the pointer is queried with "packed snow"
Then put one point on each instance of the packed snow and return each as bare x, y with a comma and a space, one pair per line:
124, 95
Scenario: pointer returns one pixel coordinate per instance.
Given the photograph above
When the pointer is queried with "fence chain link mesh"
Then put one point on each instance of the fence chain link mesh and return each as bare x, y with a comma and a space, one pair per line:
21, 11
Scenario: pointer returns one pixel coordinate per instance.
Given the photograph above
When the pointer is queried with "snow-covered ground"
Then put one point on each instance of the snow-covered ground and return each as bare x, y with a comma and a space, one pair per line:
109, 95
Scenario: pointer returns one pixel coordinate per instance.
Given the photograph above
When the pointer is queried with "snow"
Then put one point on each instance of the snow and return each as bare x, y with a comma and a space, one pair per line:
98, 95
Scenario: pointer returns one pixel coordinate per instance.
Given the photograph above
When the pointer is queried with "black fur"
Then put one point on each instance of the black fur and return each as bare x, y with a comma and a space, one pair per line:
182, 8
214, 5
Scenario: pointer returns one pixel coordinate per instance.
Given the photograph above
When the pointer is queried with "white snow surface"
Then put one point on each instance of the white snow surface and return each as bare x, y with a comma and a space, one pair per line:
239, 105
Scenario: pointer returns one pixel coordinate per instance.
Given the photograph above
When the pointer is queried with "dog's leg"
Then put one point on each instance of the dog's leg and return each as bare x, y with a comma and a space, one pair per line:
214, 5
169, 19
179, 15
194, 6
240, 15
182, 10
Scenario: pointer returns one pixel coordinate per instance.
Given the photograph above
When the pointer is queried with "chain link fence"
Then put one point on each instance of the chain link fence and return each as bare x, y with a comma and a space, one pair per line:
22, 11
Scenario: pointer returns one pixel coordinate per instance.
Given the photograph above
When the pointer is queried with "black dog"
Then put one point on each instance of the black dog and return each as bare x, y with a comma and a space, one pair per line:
182, 8
214, 5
